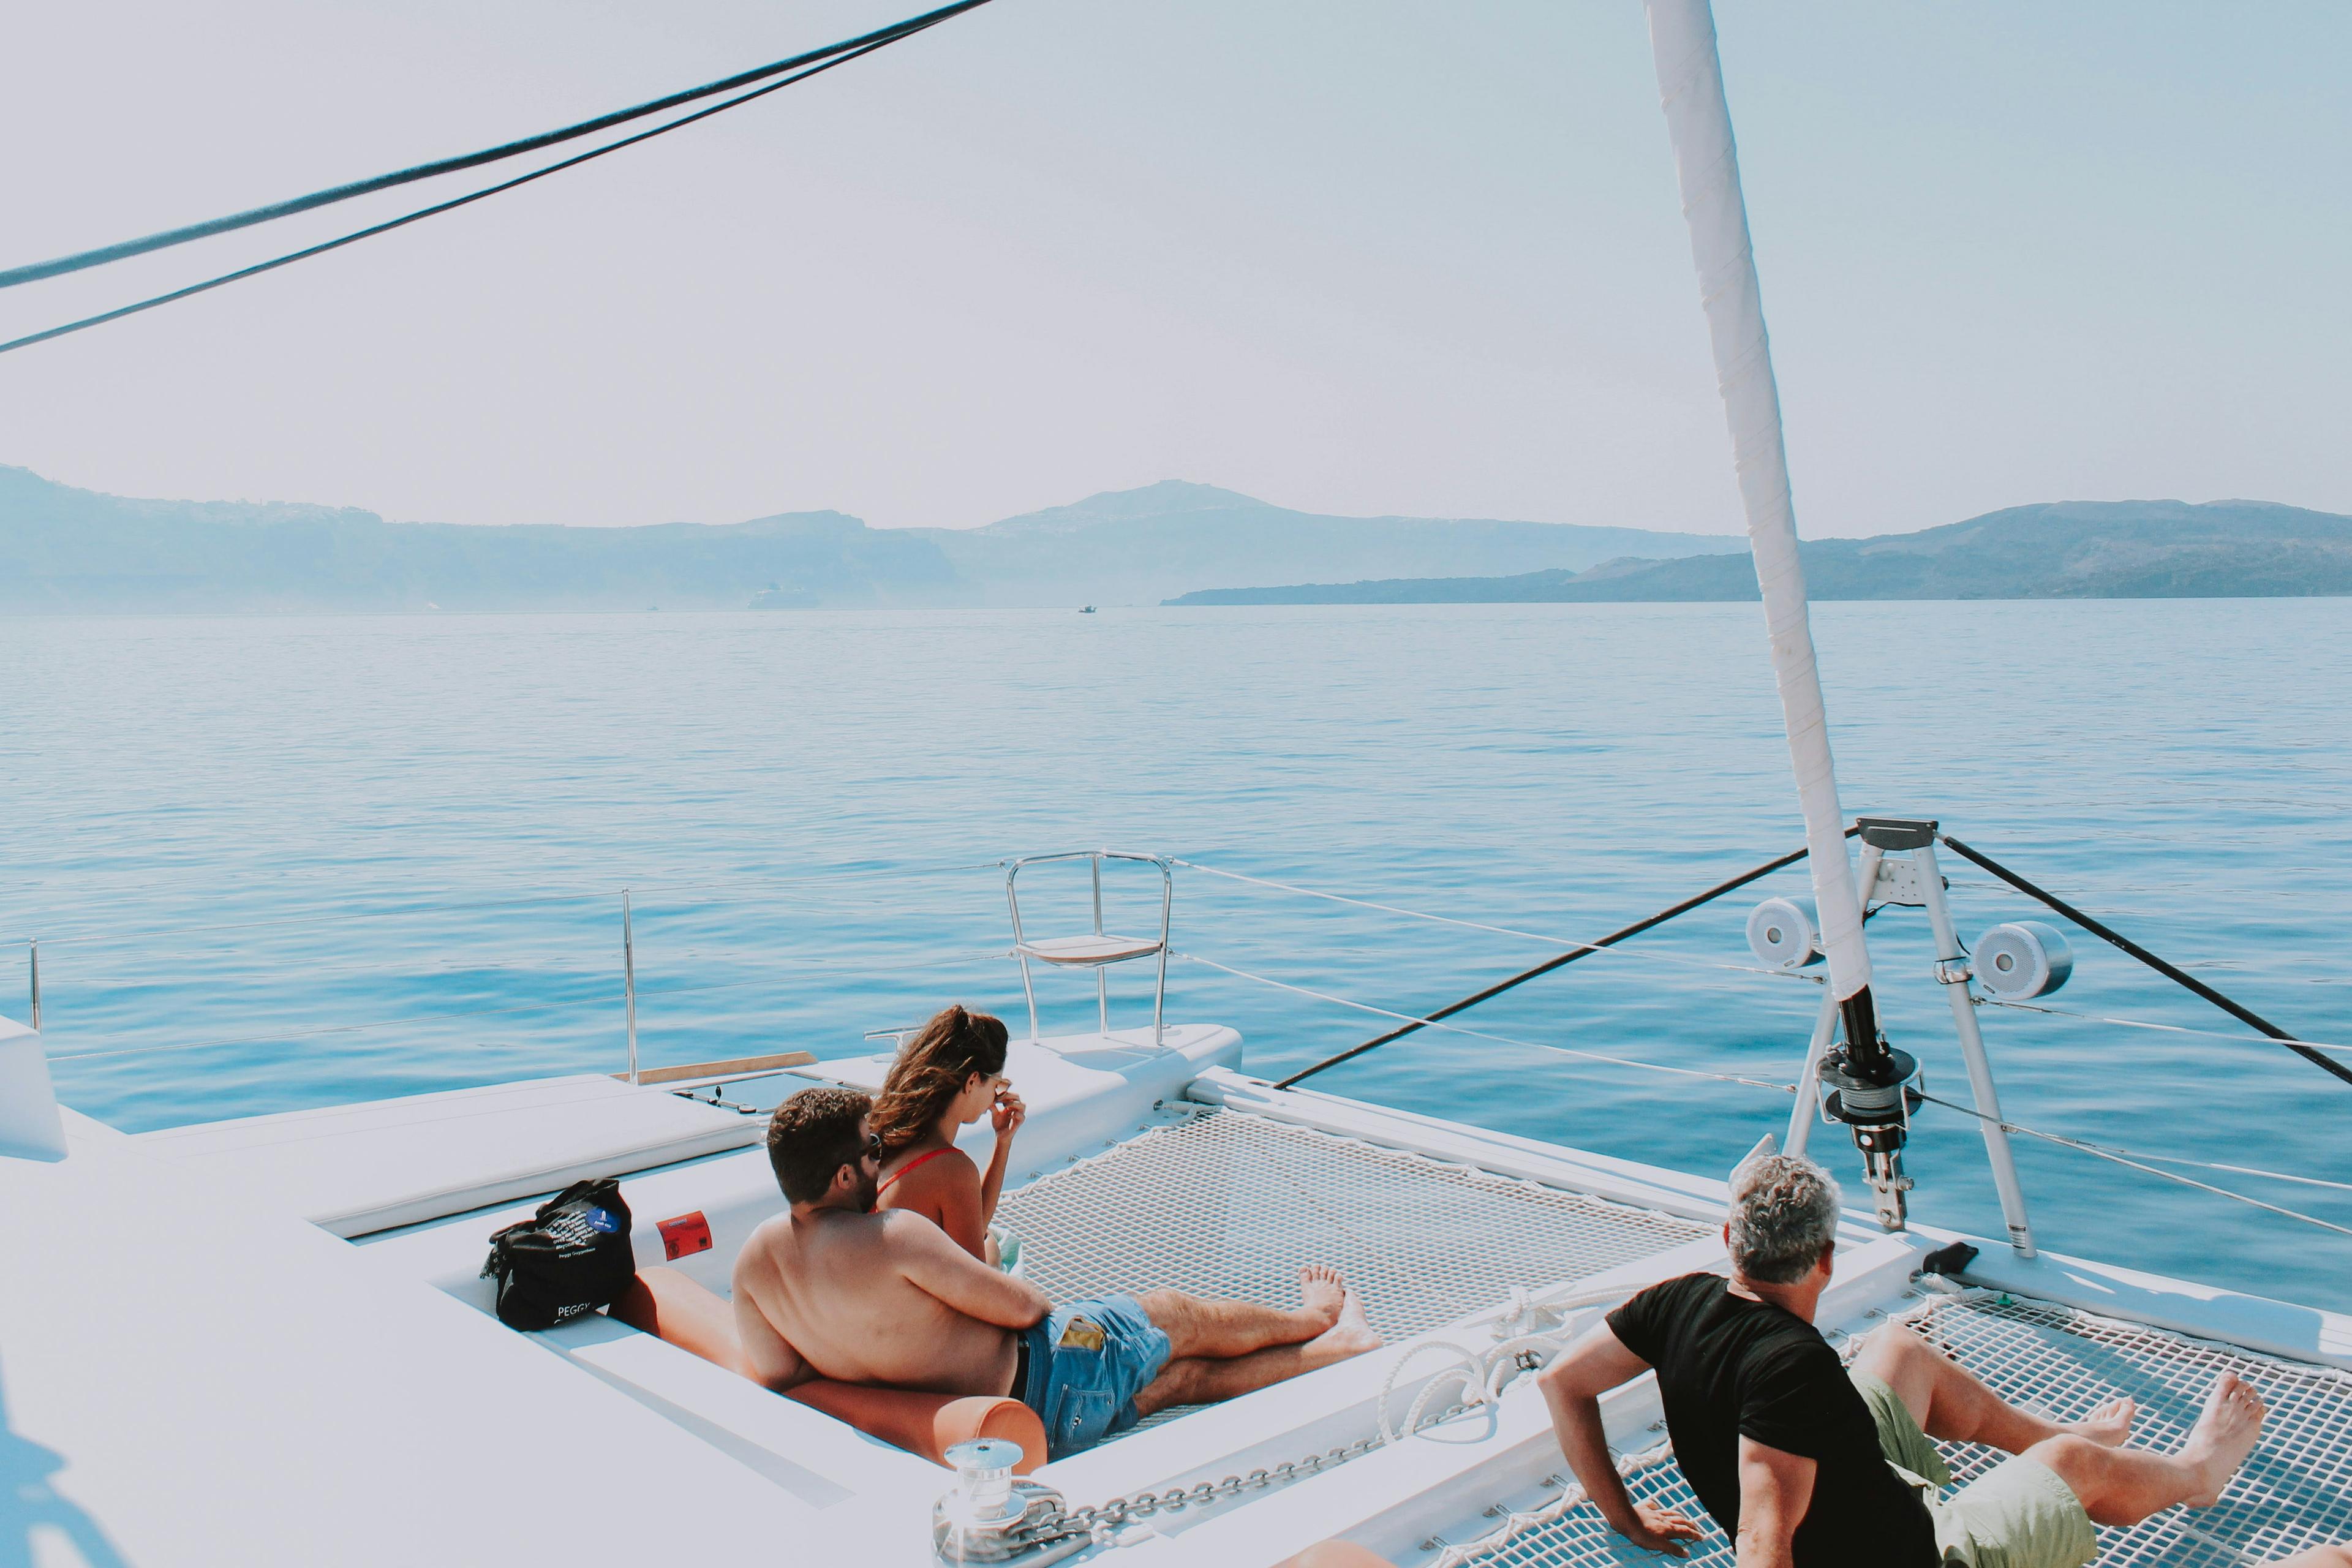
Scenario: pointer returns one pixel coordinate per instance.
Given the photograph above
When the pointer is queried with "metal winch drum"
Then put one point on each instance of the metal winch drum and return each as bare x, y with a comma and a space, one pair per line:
2022, 959
1785, 933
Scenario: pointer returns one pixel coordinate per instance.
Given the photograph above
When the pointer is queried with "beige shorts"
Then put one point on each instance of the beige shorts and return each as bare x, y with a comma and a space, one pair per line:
2017, 1514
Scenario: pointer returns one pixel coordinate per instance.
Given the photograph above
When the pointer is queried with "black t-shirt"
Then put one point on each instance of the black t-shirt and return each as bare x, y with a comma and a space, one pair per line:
1730, 1367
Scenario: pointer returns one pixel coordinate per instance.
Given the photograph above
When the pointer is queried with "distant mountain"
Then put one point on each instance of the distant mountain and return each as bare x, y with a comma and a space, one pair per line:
1144, 545
2079, 550
64, 550
69, 550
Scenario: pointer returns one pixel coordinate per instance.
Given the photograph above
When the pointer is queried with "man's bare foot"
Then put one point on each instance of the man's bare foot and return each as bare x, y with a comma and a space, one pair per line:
1353, 1334
2224, 1434
1321, 1292
2109, 1426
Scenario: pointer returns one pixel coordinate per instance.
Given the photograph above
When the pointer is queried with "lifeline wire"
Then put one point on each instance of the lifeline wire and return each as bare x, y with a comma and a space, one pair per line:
907, 30
1600, 946
602, 999
1435, 1023
2161, 1029
234, 221
2093, 1149
315, 917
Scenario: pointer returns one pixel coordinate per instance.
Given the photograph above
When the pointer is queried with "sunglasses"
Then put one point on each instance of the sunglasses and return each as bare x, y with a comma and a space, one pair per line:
874, 1147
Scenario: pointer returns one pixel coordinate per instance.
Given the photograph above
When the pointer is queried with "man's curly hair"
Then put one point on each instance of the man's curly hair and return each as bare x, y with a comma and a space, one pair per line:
1784, 1210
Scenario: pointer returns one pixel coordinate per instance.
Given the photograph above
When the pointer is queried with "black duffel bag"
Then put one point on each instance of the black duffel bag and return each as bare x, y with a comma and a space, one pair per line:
572, 1258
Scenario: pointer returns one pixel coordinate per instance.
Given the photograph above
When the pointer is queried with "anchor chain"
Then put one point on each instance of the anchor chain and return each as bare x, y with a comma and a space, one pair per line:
1100, 1519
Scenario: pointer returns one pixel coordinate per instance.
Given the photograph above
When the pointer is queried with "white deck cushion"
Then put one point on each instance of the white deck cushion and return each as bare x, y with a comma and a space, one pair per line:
355, 1169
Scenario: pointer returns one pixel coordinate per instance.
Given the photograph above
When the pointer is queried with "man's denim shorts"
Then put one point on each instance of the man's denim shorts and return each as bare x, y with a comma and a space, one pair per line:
1088, 1362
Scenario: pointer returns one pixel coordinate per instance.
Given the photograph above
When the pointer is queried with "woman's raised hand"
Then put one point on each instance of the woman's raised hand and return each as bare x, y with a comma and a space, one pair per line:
1007, 1114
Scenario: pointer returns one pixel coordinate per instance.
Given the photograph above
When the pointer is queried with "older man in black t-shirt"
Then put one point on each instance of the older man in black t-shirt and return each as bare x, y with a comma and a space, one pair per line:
1808, 1463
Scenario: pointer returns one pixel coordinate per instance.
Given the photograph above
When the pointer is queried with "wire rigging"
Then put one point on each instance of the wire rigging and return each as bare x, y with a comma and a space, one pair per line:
453, 202
2078, 1145
99, 256
2173, 972
1582, 950
1435, 1023
604, 998
1600, 946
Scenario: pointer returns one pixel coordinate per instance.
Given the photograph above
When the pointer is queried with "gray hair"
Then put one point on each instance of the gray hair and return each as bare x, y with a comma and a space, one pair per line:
1784, 1210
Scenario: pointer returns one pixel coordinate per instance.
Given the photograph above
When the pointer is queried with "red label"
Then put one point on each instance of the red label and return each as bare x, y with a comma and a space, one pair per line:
686, 1233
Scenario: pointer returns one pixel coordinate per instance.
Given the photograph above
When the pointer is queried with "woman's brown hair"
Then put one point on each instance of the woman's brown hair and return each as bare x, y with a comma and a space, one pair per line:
932, 1070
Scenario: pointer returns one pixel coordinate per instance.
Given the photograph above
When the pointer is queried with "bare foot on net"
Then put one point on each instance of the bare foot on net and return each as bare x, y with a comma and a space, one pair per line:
1353, 1334
1321, 1292
2110, 1425
2224, 1434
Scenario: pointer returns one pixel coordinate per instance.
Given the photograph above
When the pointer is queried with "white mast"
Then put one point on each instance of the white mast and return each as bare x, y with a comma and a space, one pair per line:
1690, 82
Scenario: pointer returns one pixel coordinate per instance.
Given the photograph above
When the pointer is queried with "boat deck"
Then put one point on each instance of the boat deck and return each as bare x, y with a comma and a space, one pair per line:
2295, 1491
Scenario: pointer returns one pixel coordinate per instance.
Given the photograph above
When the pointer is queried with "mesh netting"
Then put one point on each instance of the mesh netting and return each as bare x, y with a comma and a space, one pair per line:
2294, 1491
1231, 1205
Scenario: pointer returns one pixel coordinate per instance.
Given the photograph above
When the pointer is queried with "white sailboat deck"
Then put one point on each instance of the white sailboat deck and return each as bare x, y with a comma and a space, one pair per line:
329, 1380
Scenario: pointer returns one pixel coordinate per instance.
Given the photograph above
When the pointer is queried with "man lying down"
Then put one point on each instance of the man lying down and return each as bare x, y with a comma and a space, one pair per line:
833, 1289
1807, 1462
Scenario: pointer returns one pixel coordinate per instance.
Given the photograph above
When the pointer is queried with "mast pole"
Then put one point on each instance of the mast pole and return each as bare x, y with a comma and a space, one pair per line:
1707, 161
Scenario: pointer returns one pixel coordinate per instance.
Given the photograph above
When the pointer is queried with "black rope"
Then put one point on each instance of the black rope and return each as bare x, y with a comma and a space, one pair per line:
247, 219
2243, 1014
907, 30
1548, 966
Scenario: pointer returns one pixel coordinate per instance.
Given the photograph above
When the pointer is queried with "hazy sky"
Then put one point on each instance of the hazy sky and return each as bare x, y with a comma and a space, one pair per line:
1361, 256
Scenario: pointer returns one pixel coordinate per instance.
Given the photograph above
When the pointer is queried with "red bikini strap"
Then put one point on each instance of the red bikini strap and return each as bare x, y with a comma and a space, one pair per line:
902, 1169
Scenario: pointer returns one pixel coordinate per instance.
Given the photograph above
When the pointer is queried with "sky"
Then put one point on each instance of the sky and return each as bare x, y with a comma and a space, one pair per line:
1357, 257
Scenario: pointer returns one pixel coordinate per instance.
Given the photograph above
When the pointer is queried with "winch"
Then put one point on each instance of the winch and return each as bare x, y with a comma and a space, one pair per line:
990, 1517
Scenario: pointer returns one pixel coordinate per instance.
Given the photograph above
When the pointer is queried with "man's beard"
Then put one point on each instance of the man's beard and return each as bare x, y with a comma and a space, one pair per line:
869, 1188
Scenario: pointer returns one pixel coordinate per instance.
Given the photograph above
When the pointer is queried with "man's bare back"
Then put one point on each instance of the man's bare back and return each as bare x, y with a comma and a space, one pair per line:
877, 1298
833, 1289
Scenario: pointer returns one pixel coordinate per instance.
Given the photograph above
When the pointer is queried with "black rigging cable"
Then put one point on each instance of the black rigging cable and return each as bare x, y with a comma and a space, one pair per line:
1548, 966
2179, 977
247, 219
906, 29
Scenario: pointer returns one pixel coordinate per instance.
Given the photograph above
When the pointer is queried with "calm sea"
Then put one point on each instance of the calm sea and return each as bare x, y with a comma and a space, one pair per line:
275, 863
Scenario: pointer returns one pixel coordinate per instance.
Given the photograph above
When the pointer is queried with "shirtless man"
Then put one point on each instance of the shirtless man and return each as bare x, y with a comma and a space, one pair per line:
834, 1290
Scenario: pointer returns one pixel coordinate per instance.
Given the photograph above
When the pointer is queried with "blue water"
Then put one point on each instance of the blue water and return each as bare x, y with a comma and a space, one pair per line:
275, 863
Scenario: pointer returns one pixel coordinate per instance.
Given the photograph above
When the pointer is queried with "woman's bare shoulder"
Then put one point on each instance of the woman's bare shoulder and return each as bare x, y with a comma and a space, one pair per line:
941, 1172
951, 1167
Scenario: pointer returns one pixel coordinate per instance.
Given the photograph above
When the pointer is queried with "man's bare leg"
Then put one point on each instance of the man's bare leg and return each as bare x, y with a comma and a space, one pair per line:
1205, 1380
1210, 1326
1951, 1402
2124, 1485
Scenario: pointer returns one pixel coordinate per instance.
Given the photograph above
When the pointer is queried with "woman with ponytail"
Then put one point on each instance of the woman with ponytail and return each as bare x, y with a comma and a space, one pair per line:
949, 1076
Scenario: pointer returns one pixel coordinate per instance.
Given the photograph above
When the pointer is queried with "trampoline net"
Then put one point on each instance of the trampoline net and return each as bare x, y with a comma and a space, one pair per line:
1226, 1204
2294, 1491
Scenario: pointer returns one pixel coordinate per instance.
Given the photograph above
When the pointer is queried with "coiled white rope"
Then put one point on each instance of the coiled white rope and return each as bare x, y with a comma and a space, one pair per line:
1482, 1374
